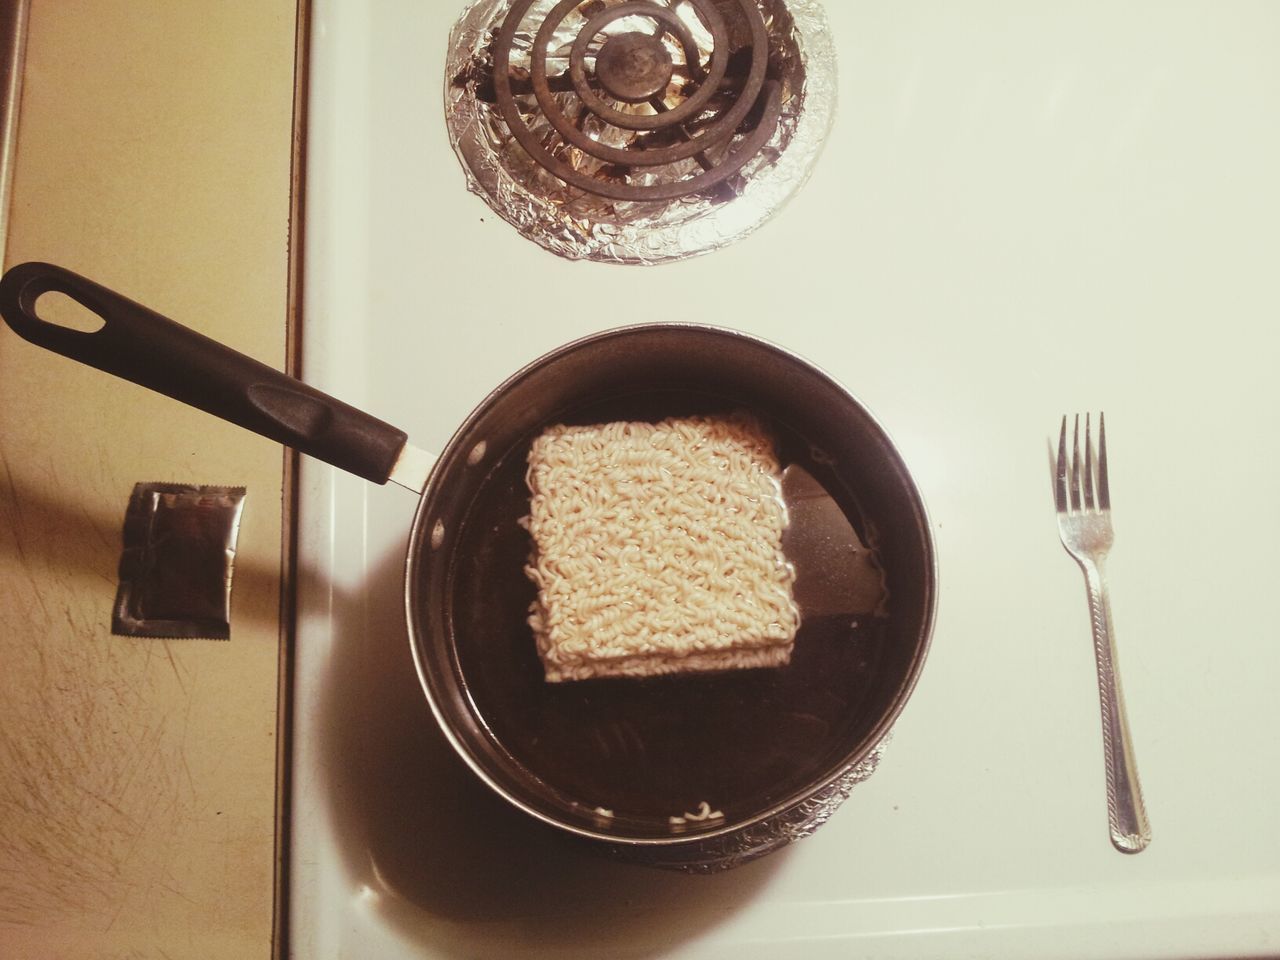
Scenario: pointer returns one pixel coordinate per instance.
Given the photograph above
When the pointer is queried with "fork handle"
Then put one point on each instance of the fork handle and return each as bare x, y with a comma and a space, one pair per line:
1126, 811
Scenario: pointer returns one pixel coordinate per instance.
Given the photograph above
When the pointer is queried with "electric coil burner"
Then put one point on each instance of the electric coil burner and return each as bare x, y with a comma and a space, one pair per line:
610, 129
720, 112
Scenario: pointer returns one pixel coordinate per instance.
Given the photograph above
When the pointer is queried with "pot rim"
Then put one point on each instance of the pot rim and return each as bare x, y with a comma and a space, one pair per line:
418, 536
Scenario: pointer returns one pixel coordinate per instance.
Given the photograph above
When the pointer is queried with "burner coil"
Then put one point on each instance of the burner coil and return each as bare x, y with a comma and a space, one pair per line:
639, 131
636, 67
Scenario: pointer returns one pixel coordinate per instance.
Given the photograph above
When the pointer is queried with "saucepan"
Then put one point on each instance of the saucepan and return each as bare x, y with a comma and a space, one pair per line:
678, 762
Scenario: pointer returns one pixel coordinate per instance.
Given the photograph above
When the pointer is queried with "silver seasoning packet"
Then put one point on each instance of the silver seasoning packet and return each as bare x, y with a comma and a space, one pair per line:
179, 553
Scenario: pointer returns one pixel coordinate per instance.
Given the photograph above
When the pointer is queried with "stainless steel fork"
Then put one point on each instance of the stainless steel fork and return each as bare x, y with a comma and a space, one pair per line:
1083, 498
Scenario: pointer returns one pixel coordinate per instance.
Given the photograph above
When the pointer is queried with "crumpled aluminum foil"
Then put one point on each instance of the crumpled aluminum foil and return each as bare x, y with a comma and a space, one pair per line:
732, 850
565, 221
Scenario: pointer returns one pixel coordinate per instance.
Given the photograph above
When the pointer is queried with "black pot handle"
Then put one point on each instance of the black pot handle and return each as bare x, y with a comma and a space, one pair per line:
140, 345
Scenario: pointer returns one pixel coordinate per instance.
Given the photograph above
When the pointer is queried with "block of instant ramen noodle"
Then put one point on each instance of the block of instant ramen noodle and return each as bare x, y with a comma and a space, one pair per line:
657, 548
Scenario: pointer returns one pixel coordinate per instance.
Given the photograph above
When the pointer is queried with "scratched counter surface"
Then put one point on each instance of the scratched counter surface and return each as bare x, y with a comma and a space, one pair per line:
137, 775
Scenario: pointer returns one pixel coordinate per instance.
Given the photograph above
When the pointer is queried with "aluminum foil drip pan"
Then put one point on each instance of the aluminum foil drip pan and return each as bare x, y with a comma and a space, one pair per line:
741, 847
635, 131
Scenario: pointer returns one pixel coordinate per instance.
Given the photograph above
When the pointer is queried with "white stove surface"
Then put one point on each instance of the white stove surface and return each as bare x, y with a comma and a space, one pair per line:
1024, 210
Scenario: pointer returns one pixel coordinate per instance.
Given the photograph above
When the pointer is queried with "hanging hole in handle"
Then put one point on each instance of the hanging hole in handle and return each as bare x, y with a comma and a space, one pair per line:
67, 312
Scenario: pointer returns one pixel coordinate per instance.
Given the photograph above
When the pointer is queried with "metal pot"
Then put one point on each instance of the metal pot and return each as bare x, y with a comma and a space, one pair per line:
614, 761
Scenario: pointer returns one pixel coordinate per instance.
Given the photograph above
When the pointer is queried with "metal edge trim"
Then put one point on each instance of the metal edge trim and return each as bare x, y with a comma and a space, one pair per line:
14, 21
280, 946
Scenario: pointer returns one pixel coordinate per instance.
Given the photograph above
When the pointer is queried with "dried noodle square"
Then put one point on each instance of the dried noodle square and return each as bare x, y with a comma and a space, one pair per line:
657, 548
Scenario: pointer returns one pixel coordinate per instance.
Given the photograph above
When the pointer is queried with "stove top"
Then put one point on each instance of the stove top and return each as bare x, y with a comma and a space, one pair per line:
1020, 210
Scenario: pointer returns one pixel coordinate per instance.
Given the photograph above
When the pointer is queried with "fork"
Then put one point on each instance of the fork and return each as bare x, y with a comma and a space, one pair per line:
1083, 497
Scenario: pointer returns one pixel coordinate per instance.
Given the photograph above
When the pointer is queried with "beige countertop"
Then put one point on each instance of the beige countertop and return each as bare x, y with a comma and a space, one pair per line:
138, 788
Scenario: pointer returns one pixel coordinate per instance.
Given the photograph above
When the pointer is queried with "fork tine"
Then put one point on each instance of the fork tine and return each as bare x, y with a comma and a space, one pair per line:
1104, 490
1060, 475
1088, 465
1075, 467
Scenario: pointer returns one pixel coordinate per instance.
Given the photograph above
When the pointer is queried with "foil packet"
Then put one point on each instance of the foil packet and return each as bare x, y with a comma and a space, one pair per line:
177, 563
